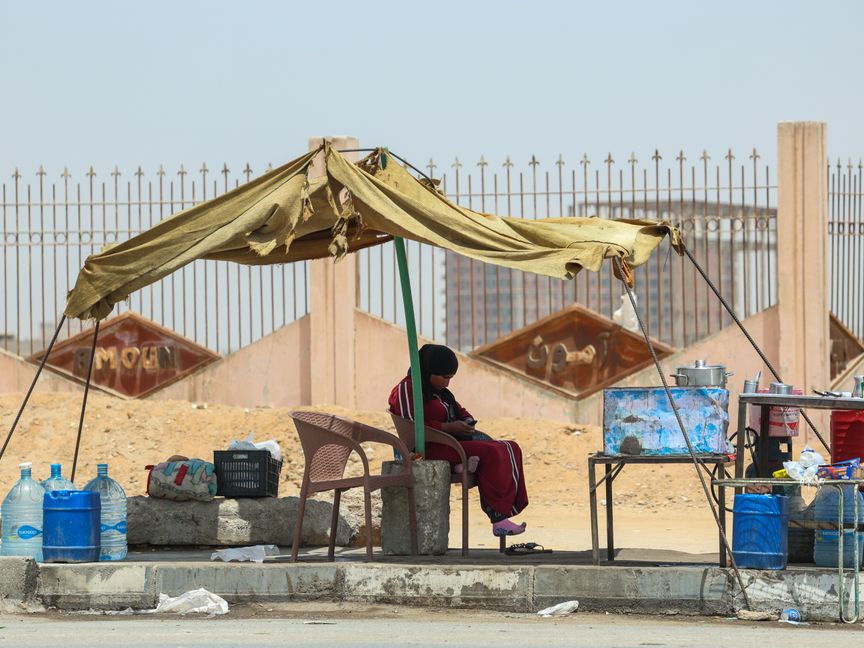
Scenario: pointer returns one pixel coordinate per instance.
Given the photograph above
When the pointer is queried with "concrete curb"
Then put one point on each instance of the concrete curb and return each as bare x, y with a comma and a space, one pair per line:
519, 588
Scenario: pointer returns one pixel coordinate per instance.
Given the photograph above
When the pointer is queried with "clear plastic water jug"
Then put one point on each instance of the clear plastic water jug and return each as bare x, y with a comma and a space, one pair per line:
113, 517
22, 517
57, 481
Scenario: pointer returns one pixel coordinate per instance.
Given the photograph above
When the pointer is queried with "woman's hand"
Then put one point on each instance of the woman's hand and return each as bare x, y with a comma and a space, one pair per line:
457, 427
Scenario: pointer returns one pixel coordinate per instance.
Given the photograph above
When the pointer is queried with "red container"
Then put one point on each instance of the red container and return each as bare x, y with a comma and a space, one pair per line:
847, 435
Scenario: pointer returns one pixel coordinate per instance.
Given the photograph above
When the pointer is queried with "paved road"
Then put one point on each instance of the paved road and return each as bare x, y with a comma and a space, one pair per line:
365, 627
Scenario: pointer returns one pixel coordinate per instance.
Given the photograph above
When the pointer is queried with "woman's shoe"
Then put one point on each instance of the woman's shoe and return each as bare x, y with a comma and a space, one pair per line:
473, 462
507, 527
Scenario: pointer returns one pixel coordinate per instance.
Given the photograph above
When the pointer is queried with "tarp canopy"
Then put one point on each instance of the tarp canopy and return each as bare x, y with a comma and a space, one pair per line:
286, 216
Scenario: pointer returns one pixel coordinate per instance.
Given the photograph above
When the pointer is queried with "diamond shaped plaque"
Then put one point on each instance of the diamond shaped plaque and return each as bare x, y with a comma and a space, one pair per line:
575, 351
134, 356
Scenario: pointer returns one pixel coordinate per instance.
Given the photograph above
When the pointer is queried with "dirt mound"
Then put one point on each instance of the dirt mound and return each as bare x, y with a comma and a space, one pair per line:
131, 434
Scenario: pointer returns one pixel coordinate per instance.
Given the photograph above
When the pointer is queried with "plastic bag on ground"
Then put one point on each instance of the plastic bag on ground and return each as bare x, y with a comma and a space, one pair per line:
559, 610
196, 601
271, 445
256, 553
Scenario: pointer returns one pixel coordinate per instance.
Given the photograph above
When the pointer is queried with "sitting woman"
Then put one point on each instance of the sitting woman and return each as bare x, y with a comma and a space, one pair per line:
497, 464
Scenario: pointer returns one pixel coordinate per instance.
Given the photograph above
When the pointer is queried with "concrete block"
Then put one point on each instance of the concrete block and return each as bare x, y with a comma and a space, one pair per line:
231, 522
814, 592
496, 588
432, 491
101, 586
18, 578
252, 582
654, 590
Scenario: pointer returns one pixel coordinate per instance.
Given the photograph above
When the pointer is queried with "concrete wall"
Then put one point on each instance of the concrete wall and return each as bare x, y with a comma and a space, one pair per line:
16, 375
272, 371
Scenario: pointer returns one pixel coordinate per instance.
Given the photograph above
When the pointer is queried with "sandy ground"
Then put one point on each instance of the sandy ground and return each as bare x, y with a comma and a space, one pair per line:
655, 506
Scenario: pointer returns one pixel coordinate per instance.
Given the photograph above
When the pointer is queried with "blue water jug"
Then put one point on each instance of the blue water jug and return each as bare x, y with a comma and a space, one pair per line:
21, 515
760, 531
827, 508
71, 522
57, 481
113, 518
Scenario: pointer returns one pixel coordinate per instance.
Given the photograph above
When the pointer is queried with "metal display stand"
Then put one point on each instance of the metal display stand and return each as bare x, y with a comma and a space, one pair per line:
836, 483
613, 465
766, 401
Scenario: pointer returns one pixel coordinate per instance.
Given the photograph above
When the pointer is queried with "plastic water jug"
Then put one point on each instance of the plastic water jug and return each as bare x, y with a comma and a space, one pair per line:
71, 526
113, 518
759, 531
22, 517
57, 481
827, 508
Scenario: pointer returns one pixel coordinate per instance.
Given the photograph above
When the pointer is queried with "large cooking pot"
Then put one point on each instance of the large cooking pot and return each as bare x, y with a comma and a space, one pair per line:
701, 375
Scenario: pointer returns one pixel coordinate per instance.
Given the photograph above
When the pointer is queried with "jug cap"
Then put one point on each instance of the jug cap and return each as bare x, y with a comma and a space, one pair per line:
26, 465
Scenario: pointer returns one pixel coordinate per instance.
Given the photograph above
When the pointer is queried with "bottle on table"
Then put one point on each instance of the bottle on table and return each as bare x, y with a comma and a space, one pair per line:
21, 515
113, 517
57, 481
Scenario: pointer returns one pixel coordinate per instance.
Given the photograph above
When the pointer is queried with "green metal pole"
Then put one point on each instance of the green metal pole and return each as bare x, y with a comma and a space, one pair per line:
411, 328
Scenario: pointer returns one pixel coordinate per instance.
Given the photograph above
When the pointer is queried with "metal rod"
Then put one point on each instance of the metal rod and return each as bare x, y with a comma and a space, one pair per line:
750, 340
32, 385
84, 402
690, 449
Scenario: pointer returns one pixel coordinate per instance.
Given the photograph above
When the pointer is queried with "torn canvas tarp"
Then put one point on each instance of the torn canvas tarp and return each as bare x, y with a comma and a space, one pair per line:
285, 216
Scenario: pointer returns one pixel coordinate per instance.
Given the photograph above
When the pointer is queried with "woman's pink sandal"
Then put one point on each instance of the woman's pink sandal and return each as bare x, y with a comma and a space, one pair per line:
507, 528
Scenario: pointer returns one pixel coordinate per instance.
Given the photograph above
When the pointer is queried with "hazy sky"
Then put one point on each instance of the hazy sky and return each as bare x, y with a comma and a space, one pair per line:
105, 82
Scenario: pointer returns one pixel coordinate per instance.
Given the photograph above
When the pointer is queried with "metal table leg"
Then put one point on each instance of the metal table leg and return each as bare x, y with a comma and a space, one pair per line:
610, 525
592, 500
721, 503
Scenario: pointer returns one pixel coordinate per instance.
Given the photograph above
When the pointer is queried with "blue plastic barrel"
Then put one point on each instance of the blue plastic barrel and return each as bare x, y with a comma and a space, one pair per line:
760, 532
825, 548
71, 526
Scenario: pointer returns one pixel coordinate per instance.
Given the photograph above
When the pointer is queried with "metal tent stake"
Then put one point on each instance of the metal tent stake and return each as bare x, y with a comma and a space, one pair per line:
32, 385
411, 328
84, 402
686, 436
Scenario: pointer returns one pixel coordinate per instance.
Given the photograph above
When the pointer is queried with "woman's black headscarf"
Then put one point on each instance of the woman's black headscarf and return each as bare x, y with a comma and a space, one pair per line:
439, 360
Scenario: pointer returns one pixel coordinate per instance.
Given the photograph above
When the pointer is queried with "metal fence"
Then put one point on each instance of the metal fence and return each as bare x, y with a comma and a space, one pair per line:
846, 244
724, 209
50, 226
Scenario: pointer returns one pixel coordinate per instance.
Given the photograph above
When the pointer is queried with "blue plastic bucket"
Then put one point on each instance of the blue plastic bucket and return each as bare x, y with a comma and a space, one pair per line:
71, 526
760, 532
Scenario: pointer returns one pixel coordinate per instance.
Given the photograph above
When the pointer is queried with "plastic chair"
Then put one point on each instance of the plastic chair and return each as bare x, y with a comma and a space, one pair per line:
327, 442
405, 430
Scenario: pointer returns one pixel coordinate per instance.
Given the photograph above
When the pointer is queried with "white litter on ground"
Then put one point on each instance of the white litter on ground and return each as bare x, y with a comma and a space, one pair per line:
559, 610
256, 553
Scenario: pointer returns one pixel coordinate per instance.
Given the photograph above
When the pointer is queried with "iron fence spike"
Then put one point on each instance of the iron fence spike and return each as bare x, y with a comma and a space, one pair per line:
456, 163
656, 157
681, 157
66, 175
534, 162
633, 159
247, 170
182, 172
755, 154
507, 163
705, 157
584, 161
139, 172
91, 173
431, 166
116, 172
15, 174
161, 171
41, 171
560, 161
204, 170
729, 156
269, 167
482, 163
609, 160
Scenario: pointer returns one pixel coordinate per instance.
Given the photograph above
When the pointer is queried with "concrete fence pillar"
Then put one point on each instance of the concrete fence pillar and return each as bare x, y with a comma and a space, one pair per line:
802, 257
332, 300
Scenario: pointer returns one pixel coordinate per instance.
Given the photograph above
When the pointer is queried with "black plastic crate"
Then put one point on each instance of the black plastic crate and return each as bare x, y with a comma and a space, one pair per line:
246, 473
